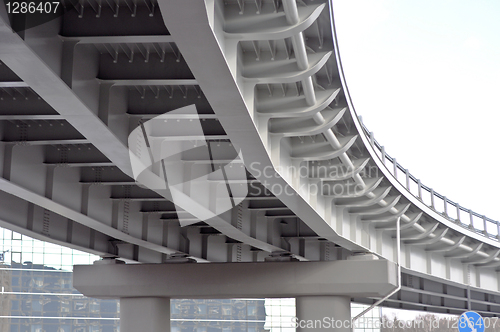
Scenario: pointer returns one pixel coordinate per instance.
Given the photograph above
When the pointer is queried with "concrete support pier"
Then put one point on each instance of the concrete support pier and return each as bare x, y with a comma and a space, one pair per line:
151, 314
323, 289
323, 313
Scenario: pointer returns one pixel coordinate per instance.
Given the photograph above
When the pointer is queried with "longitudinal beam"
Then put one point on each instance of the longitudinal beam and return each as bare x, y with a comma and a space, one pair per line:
64, 211
49, 86
229, 103
35, 73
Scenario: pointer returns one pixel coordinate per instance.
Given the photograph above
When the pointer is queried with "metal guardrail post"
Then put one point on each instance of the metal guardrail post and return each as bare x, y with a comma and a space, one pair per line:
432, 199
485, 226
395, 168
445, 201
384, 156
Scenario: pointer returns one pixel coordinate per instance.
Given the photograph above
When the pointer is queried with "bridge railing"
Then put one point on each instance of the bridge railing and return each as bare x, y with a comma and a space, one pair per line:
441, 204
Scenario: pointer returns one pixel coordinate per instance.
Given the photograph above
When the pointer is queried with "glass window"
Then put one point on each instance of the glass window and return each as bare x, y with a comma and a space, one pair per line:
7, 234
36, 305
226, 310
94, 307
251, 310
38, 249
16, 246
175, 308
16, 257
67, 251
52, 248
15, 304
67, 260
27, 257
201, 309
214, 310
80, 305
65, 306
37, 258
26, 242
80, 329
53, 260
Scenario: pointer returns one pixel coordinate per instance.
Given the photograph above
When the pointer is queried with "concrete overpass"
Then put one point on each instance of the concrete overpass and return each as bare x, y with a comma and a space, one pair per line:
267, 80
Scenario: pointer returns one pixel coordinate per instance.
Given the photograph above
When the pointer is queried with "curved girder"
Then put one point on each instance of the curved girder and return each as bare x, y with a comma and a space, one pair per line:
378, 195
430, 240
335, 172
391, 202
268, 26
279, 93
340, 142
429, 230
310, 151
300, 127
295, 106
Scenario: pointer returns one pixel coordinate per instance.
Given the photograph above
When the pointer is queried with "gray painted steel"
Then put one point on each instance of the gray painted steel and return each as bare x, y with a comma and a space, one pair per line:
245, 280
265, 76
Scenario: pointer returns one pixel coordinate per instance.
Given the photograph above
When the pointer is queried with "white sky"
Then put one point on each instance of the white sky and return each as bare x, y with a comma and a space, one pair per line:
425, 77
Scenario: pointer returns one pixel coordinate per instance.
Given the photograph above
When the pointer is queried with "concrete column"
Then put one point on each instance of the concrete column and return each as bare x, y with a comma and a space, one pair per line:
322, 313
151, 314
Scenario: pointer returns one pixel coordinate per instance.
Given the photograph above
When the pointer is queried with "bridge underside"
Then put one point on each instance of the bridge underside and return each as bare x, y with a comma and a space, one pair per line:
266, 80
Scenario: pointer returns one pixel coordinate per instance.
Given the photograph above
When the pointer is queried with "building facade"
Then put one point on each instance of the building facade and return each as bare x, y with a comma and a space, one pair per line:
37, 296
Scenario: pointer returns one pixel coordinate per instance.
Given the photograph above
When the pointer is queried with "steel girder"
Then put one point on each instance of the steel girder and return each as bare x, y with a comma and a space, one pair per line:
265, 76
